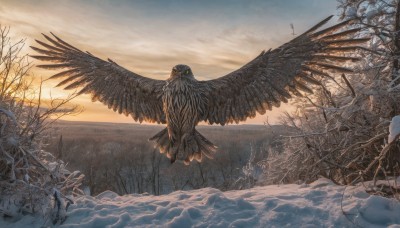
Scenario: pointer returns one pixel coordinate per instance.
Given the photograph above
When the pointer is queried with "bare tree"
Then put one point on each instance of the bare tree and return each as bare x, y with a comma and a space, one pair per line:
340, 132
30, 179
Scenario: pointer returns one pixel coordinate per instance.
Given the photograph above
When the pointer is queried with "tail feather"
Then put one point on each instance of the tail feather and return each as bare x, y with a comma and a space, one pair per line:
206, 146
190, 146
161, 139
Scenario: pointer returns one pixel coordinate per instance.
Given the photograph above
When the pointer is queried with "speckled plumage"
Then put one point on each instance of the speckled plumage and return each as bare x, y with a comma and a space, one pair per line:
182, 102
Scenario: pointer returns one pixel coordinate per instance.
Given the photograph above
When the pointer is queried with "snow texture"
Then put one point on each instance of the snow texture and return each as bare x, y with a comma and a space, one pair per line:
351, 13
314, 205
394, 128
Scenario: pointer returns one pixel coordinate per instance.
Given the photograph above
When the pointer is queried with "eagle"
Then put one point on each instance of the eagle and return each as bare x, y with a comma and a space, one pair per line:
181, 101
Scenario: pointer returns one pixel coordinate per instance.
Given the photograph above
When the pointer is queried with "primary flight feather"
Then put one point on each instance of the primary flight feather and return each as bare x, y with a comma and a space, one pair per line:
182, 102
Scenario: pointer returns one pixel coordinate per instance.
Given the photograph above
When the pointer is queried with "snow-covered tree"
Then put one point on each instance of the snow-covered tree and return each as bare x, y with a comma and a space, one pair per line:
32, 181
341, 131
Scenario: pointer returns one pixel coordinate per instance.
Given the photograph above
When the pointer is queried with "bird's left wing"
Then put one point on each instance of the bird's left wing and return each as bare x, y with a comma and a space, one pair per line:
106, 81
273, 76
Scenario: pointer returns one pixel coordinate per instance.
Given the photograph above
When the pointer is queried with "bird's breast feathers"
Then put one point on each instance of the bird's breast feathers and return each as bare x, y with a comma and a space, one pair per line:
183, 100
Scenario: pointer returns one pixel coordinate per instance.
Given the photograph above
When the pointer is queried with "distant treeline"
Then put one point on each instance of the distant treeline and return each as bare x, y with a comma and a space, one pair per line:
118, 157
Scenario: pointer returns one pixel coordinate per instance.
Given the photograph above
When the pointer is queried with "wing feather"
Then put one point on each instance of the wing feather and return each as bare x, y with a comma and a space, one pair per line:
69, 79
65, 43
106, 81
46, 52
49, 47
76, 84
274, 76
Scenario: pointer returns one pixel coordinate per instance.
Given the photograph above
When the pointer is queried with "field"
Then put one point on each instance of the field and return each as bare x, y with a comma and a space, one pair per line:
120, 158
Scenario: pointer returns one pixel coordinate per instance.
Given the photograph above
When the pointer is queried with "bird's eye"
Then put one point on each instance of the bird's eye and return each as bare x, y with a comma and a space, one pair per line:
187, 72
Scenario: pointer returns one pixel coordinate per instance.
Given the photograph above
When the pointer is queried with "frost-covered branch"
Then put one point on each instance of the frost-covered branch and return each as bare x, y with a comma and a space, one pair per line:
340, 132
29, 176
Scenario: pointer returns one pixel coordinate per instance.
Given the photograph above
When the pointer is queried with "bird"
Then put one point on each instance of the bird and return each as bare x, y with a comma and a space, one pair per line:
181, 101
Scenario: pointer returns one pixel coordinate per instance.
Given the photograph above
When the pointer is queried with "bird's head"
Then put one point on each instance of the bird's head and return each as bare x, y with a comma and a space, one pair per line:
181, 71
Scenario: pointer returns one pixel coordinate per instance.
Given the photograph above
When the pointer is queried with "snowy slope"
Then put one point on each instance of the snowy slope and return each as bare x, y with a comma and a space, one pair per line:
314, 205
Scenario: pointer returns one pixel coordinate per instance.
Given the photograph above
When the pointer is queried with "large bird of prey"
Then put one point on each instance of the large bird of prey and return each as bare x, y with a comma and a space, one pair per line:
181, 101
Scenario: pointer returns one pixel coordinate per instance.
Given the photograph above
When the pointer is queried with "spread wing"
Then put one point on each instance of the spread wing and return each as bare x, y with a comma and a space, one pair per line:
274, 76
106, 81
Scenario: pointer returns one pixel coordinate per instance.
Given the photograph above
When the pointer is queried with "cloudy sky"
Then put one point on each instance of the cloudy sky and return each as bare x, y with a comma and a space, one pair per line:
149, 37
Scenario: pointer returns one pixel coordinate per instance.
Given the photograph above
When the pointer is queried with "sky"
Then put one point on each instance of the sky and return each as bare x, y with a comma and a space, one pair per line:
149, 37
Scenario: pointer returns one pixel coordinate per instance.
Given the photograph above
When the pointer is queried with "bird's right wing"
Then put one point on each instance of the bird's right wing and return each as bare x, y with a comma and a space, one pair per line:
106, 81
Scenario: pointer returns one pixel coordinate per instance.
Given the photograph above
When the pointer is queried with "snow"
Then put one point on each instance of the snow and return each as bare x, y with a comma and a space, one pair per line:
351, 13
319, 204
9, 114
370, 14
394, 128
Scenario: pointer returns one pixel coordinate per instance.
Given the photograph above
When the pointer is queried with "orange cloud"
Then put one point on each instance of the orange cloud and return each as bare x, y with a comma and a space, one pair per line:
149, 46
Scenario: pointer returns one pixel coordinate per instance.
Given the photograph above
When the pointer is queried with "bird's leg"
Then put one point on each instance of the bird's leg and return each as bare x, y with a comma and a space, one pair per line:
173, 144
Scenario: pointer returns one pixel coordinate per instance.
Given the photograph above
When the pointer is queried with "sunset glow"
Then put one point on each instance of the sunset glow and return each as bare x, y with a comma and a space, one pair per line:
150, 37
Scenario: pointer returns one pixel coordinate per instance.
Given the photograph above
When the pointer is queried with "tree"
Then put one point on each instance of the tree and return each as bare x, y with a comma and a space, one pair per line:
340, 132
31, 180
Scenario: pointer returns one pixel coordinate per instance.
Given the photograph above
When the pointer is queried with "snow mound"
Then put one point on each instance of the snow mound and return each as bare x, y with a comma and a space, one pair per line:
316, 205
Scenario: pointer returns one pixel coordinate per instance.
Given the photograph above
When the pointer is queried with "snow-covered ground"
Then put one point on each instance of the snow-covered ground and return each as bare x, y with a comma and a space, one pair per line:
319, 204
